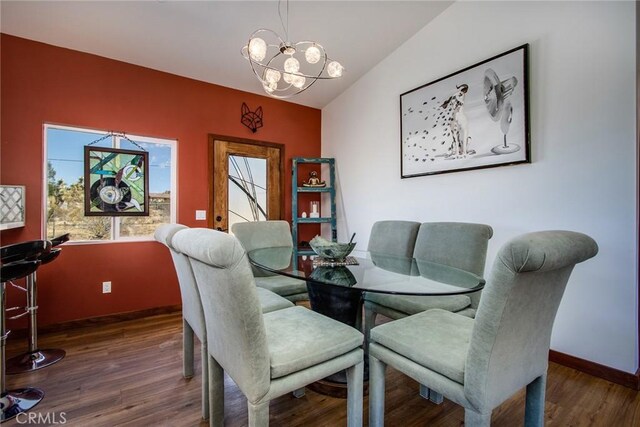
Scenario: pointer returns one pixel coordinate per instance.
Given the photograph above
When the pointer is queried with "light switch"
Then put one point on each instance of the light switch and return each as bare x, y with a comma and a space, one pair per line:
201, 215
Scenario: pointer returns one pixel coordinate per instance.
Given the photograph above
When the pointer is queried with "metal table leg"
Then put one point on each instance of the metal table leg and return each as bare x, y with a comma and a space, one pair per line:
12, 402
35, 358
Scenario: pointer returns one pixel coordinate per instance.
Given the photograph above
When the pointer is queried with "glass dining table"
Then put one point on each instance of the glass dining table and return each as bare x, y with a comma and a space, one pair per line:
337, 290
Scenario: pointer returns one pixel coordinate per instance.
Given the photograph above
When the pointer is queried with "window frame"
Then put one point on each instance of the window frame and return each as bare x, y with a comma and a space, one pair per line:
115, 220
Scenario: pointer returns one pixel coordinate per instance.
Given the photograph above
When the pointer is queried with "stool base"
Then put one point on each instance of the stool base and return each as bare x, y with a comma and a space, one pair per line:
14, 402
27, 362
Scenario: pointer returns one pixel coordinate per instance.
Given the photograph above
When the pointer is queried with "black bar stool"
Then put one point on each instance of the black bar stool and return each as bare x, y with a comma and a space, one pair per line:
14, 402
34, 358
25, 251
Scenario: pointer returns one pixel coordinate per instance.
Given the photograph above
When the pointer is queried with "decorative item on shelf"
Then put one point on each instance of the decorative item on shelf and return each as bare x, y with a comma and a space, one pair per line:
448, 125
314, 181
116, 180
285, 68
12, 213
304, 215
314, 207
304, 245
251, 119
339, 275
332, 251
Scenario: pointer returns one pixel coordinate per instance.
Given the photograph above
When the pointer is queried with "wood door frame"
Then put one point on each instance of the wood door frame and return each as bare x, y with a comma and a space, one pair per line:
253, 142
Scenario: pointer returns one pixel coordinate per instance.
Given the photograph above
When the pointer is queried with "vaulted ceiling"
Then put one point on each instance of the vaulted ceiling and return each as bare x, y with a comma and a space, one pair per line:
202, 39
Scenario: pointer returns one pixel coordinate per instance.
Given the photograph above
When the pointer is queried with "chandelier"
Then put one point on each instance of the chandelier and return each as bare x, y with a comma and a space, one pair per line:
284, 68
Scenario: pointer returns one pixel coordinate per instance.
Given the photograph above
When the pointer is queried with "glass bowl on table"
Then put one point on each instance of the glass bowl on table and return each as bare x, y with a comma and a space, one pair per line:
331, 251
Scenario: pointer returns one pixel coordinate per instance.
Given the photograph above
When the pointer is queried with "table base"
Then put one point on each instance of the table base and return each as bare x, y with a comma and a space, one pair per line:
334, 389
343, 304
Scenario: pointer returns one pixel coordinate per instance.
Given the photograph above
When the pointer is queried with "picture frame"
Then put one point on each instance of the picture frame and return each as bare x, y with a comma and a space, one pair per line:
12, 206
474, 118
116, 182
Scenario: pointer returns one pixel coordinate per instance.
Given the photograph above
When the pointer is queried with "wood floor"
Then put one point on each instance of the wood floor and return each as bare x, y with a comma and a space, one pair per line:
130, 374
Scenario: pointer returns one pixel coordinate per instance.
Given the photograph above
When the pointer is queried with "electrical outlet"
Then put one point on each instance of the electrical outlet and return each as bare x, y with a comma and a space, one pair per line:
106, 287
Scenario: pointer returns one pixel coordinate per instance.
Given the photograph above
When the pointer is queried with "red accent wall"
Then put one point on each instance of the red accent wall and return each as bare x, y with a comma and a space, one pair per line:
46, 84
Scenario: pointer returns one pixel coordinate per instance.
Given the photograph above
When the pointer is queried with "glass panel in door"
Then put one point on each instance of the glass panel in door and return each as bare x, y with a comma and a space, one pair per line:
247, 189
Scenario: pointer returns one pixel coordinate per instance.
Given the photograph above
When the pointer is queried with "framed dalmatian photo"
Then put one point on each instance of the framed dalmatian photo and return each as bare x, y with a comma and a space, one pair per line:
474, 118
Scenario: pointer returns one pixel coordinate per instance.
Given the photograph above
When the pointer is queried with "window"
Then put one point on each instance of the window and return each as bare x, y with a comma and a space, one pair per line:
64, 186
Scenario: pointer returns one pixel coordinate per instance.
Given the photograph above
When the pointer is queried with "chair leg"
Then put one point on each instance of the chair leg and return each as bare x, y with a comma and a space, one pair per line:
476, 419
424, 391
359, 320
430, 395
369, 323
298, 393
376, 392
187, 349
204, 355
435, 397
355, 379
216, 393
534, 406
258, 414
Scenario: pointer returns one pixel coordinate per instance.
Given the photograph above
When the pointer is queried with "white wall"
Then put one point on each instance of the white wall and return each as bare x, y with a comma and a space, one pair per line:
583, 143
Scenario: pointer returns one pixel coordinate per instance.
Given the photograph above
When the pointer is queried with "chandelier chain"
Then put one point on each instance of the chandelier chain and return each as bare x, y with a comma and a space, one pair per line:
285, 29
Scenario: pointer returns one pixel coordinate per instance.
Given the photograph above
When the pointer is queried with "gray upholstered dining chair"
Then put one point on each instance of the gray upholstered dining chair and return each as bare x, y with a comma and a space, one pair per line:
393, 237
389, 238
266, 356
480, 363
456, 244
270, 234
192, 314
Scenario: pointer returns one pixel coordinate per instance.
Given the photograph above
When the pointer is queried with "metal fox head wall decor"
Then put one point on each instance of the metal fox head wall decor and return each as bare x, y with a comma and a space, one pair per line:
251, 119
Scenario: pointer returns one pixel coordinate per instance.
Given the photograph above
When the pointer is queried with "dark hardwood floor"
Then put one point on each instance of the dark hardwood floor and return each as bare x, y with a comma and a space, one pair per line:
130, 374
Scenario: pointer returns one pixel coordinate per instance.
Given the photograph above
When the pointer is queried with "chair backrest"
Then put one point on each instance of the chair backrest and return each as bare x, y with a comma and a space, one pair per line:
235, 327
456, 244
511, 335
393, 237
191, 305
262, 234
